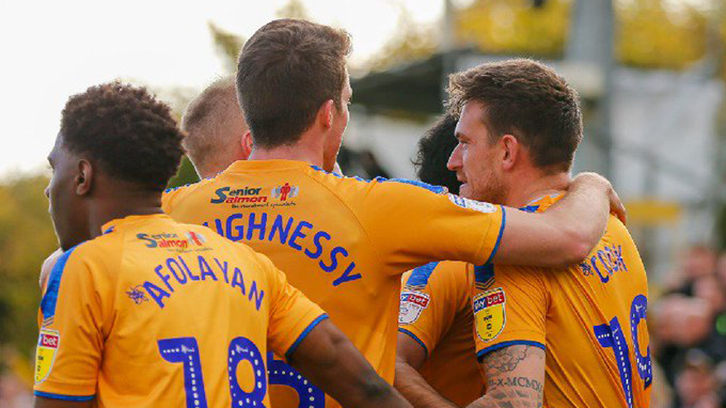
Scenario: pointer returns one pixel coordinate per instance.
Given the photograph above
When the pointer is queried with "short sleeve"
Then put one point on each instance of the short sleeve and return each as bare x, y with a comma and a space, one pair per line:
292, 314
510, 307
412, 223
431, 298
70, 344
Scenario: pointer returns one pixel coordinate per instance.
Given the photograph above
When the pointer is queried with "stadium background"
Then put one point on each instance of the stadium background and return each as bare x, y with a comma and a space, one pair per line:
651, 76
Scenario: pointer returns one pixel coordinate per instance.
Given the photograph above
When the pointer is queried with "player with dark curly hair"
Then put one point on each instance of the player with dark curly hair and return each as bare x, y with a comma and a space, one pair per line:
137, 303
434, 149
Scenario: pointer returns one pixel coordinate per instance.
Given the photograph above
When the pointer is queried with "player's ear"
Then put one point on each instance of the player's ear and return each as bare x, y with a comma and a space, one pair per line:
84, 177
247, 144
511, 151
325, 113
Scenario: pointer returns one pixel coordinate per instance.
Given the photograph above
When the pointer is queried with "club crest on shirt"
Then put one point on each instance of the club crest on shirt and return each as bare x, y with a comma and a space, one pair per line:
412, 304
472, 204
489, 313
45, 353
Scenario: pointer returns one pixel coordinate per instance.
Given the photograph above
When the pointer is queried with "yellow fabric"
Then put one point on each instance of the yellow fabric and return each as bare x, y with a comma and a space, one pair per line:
440, 317
560, 309
344, 242
121, 296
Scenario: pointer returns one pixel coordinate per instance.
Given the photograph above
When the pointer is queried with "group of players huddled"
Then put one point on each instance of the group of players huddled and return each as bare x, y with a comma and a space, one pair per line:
278, 282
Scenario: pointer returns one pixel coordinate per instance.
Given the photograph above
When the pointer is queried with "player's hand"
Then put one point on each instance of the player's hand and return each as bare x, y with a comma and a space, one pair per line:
588, 178
47, 267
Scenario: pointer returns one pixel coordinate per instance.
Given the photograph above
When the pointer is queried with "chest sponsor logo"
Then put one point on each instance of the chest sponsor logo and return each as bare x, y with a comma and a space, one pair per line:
471, 204
227, 195
412, 304
45, 353
489, 314
173, 241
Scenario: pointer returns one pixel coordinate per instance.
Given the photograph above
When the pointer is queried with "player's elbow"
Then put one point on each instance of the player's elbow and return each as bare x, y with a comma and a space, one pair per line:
374, 389
576, 246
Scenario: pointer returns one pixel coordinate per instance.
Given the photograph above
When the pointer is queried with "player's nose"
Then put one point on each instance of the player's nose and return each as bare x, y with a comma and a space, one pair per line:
454, 161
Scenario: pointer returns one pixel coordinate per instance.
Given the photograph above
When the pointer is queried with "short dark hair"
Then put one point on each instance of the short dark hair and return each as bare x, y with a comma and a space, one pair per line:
285, 72
529, 100
434, 149
131, 134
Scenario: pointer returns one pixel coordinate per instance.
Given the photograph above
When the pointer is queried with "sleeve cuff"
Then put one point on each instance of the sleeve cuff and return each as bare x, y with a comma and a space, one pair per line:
304, 334
75, 398
483, 352
413, 336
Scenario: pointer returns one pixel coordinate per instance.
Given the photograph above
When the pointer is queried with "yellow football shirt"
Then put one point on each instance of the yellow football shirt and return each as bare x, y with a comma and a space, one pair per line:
590, 319
436, 312
159, 314
344, 242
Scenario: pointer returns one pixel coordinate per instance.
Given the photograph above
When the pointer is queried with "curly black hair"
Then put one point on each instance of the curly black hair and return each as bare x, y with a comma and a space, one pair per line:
127, 130
434, 150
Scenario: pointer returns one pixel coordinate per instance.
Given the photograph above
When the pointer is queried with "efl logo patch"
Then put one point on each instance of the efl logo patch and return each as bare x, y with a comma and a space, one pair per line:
489, 314
412, 304
48, 343
471, 204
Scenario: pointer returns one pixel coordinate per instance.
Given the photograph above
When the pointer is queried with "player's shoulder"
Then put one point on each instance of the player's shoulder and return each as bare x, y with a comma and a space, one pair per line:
444, 273
361, 184
174, 195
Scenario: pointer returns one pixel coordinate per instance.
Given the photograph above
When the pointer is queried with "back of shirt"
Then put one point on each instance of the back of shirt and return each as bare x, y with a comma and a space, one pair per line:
590, 318
160, 314
344, 242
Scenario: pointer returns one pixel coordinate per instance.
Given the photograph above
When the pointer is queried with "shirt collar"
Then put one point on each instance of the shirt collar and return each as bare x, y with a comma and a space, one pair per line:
117, 223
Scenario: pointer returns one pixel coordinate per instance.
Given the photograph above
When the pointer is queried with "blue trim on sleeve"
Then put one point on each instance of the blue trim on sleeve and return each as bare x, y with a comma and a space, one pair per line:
427, 186
64, 397
499, 237
47, 304
481, 353
413, 336
420, 276
304, 334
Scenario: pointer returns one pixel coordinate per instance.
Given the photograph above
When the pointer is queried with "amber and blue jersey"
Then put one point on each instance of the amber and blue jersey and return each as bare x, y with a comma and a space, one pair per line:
155, 313
344, 242
436, 312
590, 318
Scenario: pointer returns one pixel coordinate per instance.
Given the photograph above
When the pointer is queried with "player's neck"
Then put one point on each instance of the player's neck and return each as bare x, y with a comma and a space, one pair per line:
113, 207
298, 152
527, 189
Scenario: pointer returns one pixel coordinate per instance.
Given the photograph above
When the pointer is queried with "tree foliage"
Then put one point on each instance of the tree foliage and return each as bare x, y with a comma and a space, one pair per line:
26, 239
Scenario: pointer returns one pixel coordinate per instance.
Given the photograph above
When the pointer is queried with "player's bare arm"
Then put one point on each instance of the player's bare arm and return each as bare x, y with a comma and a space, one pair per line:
567, 232
331, 361
515, 378
410, 356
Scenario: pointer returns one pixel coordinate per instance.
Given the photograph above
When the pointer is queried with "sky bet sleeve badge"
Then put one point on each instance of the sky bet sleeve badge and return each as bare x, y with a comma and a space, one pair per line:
489, 315
412, 304
45, 353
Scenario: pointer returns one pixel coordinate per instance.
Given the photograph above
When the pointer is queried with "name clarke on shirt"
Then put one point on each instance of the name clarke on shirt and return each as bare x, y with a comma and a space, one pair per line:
288, 231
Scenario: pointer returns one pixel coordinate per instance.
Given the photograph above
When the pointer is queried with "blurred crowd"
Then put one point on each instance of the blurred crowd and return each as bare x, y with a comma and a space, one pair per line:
688, 332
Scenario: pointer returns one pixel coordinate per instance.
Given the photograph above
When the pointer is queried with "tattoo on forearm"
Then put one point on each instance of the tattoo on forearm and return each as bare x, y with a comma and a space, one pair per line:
522, 382
507, 388
505, 360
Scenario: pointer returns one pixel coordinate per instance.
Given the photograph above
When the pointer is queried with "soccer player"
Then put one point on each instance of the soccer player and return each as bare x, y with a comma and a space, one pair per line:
564, 337
142, 311
217, 134
345, 242
435, 346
